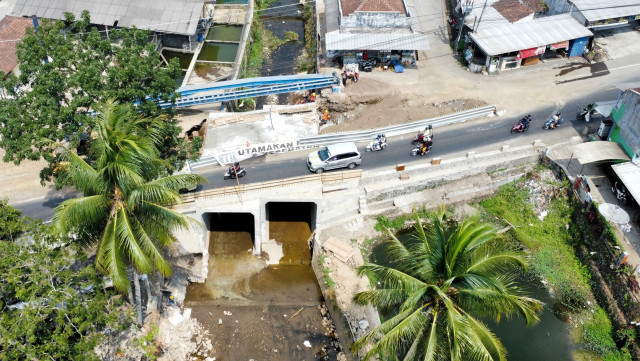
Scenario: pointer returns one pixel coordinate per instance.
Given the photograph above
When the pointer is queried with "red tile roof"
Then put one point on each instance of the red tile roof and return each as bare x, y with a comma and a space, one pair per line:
12, 28
351, 6
512, 10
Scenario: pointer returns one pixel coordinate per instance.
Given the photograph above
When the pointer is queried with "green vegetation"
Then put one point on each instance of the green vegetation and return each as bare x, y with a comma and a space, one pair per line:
437, 287
54, 306
194, 148
291, 36
256, 50
123, 210
598, 337
326, 271
148, 345
82, 70
548, 241
308, 64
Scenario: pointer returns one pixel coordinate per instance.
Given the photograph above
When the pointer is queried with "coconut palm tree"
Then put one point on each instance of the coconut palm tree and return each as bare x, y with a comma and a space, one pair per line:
124, 210
437, 287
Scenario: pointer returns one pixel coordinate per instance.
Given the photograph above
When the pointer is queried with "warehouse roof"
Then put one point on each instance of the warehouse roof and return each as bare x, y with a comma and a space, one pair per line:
169, 16
629, 174
376, 41
506, 38
594, 10
351, 6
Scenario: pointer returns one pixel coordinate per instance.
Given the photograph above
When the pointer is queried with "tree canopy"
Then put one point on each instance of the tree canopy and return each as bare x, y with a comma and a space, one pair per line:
124, 209
68, 66
52, 303
437, 287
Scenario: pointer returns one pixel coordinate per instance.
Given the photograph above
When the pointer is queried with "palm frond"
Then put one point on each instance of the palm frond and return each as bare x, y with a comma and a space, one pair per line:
397, 331
80, 213
390, 276
485, 346
127, 237
151, 249
110, 259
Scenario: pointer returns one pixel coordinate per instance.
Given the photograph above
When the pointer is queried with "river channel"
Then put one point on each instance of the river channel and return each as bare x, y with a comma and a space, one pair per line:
256, 308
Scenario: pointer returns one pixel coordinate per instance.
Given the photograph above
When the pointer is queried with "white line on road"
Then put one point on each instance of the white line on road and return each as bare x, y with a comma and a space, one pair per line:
618, 68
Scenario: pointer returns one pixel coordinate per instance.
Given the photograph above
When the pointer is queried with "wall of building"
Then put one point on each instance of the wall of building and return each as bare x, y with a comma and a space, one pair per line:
558, 6
376, 20
626, 114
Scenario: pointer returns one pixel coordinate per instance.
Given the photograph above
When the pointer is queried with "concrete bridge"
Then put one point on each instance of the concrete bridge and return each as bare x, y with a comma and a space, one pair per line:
342, 196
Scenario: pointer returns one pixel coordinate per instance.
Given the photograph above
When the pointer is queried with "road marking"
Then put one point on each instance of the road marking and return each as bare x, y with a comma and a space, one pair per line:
622, 67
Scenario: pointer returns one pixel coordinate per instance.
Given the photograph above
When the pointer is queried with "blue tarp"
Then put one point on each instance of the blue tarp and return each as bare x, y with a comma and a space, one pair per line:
398, 68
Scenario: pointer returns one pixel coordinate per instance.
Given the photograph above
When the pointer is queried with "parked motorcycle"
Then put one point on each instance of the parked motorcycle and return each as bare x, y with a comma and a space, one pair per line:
554, 122
620, 192
378, 143
586, 112
235, 171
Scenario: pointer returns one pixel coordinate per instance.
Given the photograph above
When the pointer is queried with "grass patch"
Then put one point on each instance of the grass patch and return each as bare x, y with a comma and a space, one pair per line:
326, 271
549, 241
599, 337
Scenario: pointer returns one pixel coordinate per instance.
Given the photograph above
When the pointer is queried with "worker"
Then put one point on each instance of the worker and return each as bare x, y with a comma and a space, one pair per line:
171, 302
312, 98
325, 117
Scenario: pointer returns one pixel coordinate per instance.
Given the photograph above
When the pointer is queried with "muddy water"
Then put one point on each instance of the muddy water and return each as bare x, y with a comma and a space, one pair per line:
260, 312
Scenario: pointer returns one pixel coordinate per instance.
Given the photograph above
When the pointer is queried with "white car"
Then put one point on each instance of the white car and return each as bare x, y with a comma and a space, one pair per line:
341, 155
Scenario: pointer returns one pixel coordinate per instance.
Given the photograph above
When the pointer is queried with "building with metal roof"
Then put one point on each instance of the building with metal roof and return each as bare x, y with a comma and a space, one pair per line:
507, 38
165, 16
605, 13
373, 29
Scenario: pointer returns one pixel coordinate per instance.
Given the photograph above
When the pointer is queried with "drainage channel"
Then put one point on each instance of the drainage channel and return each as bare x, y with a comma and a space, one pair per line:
265, 307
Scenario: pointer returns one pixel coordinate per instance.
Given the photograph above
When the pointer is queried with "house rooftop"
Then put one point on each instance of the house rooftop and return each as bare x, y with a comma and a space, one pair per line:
351, 6
595, 10
167, 16
12, 28
512, 10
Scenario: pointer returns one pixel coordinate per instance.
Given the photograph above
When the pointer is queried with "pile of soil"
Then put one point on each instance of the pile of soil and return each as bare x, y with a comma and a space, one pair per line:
364, 106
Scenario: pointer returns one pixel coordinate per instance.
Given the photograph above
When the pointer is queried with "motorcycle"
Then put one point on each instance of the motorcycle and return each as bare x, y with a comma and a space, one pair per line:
420, 138
231, 173
586, 112
519, 127
554, 122
620, 192
417, 151
378, 143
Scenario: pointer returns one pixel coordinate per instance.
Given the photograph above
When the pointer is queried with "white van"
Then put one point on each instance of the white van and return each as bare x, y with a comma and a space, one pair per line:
341, 155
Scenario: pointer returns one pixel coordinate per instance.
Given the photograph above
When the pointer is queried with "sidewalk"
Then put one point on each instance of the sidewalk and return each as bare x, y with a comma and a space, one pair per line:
600, 193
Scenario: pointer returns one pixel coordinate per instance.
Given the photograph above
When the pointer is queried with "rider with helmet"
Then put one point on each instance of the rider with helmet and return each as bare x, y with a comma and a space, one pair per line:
554, 120
427, 134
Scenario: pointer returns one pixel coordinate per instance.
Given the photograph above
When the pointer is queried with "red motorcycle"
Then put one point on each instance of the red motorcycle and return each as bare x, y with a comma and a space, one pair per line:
521, 126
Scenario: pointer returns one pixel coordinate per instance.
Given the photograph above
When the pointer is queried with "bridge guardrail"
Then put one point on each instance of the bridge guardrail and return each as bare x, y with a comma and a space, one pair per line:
331, 177
399, 129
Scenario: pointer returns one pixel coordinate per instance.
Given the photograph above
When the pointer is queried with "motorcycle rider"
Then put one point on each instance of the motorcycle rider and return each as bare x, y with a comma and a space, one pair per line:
554, 120
235, 168
381, 139
425, 146
427, 133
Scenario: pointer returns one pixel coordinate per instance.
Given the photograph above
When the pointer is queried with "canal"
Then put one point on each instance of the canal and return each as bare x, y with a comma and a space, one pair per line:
265, 307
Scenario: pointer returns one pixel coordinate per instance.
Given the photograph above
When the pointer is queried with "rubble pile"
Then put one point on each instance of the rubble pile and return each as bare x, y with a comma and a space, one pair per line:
542, 190
329, 330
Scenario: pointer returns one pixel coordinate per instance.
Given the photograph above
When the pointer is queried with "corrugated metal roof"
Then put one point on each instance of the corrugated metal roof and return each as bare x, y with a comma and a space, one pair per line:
376, 41
594, 10
507, 38
590, 152
183, 14
629, 174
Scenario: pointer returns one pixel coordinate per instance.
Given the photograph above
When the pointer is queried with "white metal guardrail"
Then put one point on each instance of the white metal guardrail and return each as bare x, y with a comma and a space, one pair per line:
399, 129
358, 136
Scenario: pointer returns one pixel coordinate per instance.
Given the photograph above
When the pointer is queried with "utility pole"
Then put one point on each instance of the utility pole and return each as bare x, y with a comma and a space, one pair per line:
466, 6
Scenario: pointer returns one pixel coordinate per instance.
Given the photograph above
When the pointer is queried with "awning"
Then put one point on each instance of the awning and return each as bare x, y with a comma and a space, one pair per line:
629, 174
337, 40
598, 151
560, 45
604, 108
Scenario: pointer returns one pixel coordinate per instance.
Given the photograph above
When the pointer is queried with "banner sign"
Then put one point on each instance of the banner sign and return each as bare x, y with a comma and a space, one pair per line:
527, 53
560, 45
279, 147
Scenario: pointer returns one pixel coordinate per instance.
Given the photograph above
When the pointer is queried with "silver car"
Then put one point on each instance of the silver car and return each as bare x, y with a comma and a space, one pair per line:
341, 155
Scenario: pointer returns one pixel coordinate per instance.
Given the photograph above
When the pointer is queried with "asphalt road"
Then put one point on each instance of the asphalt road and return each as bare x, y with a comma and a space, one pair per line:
477, 135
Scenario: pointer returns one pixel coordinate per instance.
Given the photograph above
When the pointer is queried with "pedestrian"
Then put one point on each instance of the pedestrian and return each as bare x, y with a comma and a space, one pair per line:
325, 117
344, 79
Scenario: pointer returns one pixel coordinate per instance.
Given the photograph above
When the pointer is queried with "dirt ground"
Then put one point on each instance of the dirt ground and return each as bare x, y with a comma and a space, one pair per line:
371, 103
